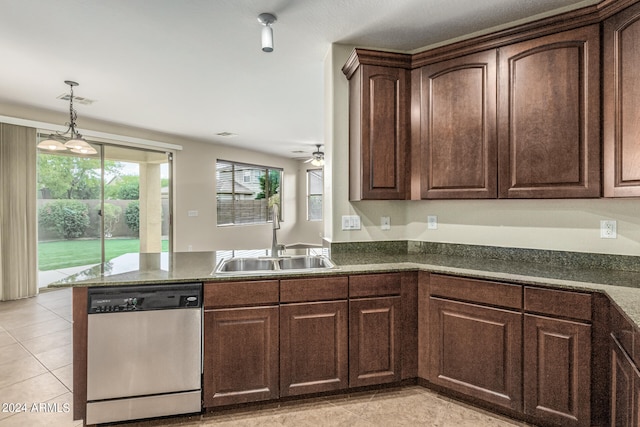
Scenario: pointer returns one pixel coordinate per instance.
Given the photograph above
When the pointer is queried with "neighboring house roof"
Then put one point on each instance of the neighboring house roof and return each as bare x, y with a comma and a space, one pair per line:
224, 187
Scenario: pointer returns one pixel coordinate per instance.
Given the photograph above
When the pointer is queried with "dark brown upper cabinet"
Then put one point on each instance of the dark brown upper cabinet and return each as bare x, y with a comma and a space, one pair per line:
458, 128
621, 104
546, 109
549, 116
379, 125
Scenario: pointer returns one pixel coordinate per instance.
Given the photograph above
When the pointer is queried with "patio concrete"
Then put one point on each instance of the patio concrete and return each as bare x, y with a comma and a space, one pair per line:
47, 277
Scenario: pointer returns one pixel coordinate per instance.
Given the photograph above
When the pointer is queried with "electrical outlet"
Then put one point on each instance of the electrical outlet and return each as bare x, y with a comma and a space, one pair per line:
432, 222
608, 229
385, 223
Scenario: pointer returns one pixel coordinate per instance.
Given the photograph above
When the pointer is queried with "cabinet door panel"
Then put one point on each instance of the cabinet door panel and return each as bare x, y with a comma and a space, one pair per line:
240, 355
621, 387
621, 127
458, 130
313, 347
374, 341
379, 150
477, 351
548, 116
557, 374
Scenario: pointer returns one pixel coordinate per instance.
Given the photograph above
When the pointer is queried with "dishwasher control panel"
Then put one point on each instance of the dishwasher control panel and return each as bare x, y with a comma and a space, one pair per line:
111, 305
144, 298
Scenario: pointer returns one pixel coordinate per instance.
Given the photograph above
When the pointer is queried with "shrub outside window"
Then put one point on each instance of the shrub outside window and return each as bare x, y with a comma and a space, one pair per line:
245, 193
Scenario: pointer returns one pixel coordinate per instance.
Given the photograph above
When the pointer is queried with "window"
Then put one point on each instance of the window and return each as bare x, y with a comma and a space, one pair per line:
314, 194
245, 193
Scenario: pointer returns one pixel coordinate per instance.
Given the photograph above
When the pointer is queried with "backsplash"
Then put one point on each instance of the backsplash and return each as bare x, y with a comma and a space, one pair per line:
395, 247
537, 256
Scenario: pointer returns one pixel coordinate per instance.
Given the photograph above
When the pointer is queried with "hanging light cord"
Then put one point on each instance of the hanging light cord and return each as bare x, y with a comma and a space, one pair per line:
73, 115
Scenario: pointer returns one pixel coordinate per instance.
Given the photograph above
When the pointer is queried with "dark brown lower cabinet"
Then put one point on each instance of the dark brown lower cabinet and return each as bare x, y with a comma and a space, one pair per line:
557, 370
374, 341
625, 388
313, 347
241, 355
477, 351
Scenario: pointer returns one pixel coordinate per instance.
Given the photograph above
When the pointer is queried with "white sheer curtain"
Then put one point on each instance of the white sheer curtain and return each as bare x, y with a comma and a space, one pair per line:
18, 226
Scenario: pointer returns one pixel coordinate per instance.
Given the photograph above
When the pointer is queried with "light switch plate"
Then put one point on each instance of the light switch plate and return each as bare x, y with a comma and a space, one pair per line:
350, 222
346, 222
192, 213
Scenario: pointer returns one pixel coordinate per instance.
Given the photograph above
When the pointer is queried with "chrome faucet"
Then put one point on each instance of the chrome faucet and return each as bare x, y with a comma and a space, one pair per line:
275, 247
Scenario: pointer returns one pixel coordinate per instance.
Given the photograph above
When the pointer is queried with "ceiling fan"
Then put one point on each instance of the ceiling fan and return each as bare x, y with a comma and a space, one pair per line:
317, 157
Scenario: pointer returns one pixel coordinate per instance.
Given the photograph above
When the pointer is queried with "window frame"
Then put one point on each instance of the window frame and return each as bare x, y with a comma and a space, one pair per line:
234, 196
310, 194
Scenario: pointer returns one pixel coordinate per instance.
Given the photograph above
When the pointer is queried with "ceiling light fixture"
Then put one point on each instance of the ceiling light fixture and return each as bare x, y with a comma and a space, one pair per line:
267, 19
317, 157
70, 139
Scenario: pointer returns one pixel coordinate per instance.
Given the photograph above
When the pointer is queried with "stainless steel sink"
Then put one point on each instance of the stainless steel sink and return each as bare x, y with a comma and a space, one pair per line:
234, 265
243, 266
305, 263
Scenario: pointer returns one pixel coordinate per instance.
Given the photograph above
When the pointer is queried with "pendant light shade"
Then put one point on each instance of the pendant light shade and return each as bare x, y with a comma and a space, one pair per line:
80, 146
267, 19
51, 145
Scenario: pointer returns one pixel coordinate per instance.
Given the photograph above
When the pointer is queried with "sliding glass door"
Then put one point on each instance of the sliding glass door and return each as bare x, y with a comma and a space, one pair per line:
94, 208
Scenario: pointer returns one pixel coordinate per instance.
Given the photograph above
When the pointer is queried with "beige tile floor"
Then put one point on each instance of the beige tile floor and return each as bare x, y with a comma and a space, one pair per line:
35, 361
36, 371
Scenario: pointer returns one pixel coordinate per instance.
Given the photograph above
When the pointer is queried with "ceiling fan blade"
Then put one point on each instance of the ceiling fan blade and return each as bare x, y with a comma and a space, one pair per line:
308, 160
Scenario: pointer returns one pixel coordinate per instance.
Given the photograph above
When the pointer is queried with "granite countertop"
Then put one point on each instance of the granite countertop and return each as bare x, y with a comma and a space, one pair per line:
623, 287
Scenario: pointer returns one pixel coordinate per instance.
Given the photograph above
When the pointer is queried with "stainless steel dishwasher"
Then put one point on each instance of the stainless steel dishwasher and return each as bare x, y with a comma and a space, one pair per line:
144, 352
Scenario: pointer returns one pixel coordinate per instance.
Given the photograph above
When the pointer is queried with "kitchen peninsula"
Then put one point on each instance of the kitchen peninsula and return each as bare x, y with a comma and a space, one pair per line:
388, 301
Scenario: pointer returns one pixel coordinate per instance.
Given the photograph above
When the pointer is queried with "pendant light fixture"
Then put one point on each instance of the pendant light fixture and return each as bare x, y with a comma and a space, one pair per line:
267, 19
70, 139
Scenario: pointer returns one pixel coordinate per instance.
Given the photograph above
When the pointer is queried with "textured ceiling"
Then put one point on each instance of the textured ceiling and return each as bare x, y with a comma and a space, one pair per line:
194, 68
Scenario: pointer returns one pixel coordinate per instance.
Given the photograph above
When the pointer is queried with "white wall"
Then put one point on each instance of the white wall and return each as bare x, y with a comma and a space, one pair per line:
569, 225
194, 187
195, 168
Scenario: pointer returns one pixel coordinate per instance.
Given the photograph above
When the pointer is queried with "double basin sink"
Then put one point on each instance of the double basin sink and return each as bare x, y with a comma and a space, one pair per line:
292, 264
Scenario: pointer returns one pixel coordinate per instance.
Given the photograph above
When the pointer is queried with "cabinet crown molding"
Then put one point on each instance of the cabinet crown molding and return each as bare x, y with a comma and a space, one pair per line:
374, 57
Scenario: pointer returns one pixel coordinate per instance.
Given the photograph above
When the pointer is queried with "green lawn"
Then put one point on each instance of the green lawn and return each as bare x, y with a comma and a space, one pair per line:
72, 253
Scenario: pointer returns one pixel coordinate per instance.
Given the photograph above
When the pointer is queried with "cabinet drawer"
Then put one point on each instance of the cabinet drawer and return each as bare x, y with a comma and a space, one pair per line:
229, 294
558, 303
316, 289
374, 285
480, 291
